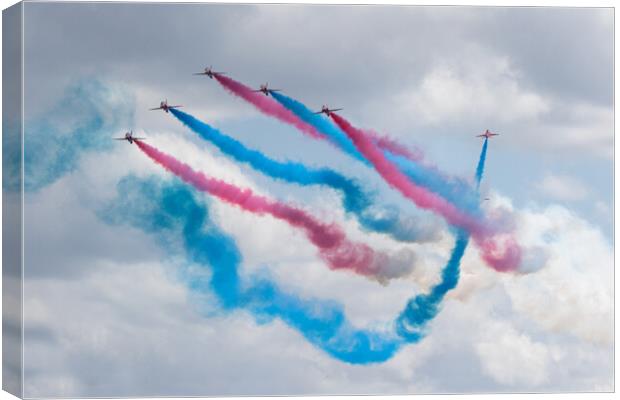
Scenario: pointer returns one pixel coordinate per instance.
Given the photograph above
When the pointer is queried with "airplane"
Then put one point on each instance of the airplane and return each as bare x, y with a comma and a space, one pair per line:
327, 111
164, 106
266, 90
488, 134
209, 72
129, 137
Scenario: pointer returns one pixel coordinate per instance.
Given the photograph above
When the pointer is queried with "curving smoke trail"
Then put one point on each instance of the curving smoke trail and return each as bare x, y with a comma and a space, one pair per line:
409, 162
334, 247
355, 201
411, 323
266, 105
170, 211
501, 252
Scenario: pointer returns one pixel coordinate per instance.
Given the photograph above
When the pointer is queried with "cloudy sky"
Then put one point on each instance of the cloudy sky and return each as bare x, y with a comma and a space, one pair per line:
107, 311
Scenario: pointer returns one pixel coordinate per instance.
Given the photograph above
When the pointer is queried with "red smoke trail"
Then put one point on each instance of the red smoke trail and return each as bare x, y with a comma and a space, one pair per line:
335, 248
500, 252
267, 105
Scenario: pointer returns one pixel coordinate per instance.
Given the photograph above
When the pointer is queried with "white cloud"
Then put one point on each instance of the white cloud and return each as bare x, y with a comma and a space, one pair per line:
512, 358
477, 89
481, 89
561, 187
602, 209
573, 293
579, 126
570, 289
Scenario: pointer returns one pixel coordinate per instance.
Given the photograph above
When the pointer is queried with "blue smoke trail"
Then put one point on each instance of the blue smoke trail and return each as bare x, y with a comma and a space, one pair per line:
355, 200
421, 309
323, 125
411, 322
170, 210
480, 167
84, 119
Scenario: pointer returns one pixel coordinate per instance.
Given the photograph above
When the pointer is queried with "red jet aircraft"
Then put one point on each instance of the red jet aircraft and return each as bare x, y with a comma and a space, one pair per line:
327, 111
264, 89
164, 106
129, 137
488, 134
209, 72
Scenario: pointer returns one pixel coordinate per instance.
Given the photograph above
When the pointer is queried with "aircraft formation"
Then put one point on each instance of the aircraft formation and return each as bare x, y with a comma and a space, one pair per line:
164, 106
263, 88
451, 198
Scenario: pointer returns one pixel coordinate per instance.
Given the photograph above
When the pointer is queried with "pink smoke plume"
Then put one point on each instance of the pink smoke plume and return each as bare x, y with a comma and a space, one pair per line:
391, 145
501, 252
267, 105
334, 247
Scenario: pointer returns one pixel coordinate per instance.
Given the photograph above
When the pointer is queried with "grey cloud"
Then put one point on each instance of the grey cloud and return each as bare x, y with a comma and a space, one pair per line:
64, 240
573, 51
322, 53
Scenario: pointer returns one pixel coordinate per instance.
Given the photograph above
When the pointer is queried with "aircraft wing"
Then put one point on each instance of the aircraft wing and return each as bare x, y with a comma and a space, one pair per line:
119, 138
199, 73
174, 106
337, 109
158, 108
